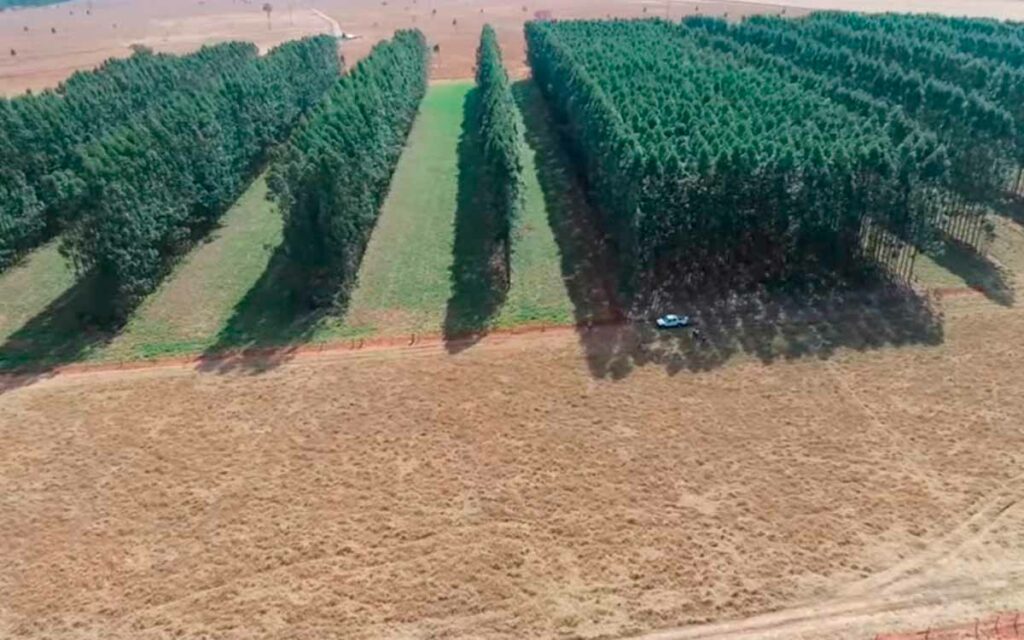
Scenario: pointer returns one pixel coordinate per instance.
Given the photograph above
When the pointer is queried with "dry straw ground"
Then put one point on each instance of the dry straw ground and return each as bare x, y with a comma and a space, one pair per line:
508, 492
522, 488
90, 31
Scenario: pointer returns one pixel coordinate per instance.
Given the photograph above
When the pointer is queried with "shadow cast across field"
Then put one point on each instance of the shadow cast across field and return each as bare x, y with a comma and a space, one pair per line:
267, 326
586, 259
478, 290
978, 271
63, 333
767, 326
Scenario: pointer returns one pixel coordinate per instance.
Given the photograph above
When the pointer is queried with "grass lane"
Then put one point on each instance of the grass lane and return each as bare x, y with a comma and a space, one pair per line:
403, 282
539, 293
185, 314
231, 290
28, 287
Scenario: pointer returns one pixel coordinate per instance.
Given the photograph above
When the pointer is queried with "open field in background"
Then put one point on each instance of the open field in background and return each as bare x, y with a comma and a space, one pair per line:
83, 41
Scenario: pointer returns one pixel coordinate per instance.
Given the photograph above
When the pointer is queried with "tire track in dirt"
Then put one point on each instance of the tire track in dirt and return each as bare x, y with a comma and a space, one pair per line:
915, 588
848, 616
972, 529
896, 596
335, 27
421, 546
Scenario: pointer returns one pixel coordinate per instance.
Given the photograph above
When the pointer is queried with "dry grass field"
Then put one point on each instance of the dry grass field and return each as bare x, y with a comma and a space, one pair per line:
831, 476
90, 31
83, 40
510, 492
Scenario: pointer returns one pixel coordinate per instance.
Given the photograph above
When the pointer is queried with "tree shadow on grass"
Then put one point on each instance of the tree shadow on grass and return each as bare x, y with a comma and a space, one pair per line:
768, 325
478, 284
978, 271
586, 258
65, 332
267, 326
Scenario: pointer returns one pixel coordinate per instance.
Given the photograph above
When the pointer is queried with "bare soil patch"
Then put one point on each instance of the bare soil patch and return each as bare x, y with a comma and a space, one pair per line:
52, 42
1001, 627
83, 40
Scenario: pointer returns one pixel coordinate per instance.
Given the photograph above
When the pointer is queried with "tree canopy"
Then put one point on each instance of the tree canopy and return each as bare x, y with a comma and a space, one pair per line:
693, 152
158, 181
960, 79
498, 128
333, 175
40, 135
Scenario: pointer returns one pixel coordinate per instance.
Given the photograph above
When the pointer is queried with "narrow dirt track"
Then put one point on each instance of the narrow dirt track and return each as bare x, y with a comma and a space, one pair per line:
919, 591
257, 358
331, 22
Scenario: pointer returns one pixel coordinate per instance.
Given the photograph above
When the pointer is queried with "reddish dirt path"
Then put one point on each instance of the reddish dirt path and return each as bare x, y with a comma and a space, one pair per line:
277, 355
273, 356
1005, 626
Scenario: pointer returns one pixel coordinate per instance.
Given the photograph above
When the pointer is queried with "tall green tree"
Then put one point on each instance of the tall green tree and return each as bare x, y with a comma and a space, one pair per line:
699, 157
934, 71
333, 175
159, 181
40, 135
498, 127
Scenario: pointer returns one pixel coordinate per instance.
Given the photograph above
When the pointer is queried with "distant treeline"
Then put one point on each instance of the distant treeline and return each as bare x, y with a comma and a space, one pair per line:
10, 4
334, 174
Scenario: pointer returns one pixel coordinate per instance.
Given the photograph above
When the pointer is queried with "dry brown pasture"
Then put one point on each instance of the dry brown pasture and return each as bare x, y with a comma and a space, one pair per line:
90, 31
512, 492
84, 40
516, 490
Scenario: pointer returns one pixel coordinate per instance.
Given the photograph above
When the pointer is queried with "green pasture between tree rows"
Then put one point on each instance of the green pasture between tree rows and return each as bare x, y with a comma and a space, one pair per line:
231, 290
